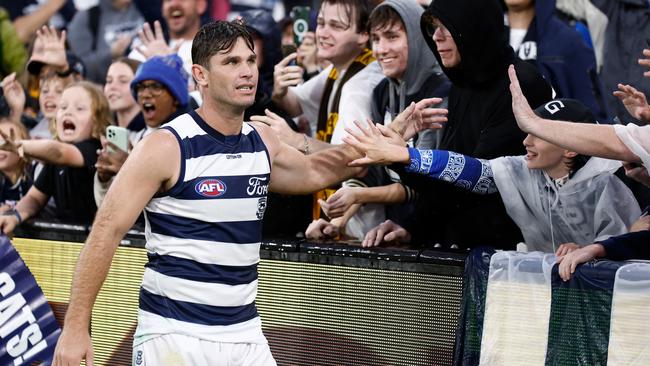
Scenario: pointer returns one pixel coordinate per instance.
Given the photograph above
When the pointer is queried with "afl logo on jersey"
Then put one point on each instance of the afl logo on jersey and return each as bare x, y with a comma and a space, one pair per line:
210, 187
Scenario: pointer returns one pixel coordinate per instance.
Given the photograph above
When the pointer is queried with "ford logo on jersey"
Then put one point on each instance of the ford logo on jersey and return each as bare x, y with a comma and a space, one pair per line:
210, 187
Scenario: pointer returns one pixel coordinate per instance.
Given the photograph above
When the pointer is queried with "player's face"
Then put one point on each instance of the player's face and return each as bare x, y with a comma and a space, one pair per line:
74, 116
232, 77
543, 155
336, 35
390, 47
117, 88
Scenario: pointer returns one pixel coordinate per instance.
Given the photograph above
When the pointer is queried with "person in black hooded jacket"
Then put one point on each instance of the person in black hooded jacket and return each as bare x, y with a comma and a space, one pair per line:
468, 39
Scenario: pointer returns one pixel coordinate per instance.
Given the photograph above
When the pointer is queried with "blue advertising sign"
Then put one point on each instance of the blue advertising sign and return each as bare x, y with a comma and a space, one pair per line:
28, 329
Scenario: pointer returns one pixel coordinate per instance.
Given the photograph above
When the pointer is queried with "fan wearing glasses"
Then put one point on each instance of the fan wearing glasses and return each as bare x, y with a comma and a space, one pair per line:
160, 89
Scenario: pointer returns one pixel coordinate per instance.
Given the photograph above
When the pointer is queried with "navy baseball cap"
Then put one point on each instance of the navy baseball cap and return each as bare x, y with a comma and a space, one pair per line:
565, 109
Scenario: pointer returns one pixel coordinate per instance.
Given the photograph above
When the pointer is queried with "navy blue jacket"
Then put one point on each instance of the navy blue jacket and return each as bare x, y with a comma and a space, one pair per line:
628, 246
565, 60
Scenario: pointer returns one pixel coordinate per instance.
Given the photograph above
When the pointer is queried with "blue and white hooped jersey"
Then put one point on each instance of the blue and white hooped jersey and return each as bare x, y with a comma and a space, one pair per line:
203, 238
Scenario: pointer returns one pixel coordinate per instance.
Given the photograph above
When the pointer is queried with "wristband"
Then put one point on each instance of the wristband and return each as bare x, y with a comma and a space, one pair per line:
421, 161
414, 166
14, 212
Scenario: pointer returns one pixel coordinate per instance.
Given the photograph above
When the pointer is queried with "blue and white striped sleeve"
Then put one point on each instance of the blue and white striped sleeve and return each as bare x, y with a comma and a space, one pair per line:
463, 171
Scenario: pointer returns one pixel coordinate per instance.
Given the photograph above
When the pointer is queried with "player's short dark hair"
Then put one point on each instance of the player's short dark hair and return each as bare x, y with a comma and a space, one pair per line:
384, 17
357, 10
218, 36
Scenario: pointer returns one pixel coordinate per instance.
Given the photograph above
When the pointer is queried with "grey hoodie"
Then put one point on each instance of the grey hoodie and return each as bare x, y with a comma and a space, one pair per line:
421, 65
112, 23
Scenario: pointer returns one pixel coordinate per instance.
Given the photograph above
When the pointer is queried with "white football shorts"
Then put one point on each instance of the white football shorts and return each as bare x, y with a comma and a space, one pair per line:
182, 350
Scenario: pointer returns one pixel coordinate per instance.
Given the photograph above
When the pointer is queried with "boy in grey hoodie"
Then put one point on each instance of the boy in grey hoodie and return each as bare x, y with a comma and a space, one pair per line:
411, 74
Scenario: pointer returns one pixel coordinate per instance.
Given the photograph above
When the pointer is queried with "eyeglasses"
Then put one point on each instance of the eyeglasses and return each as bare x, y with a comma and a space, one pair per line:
444, 31
433, 24
155, 88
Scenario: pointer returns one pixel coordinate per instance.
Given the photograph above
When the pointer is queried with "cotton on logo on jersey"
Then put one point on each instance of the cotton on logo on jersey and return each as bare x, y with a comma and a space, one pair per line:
210, 187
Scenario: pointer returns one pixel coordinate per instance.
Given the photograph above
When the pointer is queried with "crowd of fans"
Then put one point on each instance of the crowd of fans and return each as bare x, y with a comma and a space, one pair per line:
421, 89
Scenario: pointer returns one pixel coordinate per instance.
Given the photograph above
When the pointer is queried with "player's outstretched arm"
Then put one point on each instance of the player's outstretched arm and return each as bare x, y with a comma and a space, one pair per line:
147, 171
296, 173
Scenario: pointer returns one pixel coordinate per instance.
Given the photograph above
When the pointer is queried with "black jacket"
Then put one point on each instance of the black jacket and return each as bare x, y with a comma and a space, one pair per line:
481, 123
626, 35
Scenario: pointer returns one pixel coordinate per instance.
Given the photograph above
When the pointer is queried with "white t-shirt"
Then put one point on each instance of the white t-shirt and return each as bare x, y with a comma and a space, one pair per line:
355, 102
516, 37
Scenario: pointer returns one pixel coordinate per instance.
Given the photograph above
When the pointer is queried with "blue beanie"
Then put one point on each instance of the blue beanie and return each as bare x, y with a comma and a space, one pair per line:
167, 70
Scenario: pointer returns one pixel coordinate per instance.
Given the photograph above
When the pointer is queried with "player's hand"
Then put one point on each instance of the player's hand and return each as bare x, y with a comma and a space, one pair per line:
285, 76
385, 232
280, 127
321, 229
72, 348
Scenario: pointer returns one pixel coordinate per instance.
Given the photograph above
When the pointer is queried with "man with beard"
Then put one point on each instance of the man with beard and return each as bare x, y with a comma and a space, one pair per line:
202, 180
183, 19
